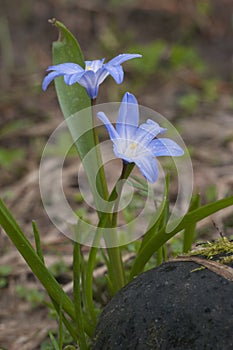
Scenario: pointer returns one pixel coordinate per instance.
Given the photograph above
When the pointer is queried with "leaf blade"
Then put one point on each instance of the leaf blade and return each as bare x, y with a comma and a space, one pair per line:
25, 248
72, 100
162, 236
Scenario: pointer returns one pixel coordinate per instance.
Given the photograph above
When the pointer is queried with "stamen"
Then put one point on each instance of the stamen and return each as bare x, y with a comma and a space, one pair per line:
133, 145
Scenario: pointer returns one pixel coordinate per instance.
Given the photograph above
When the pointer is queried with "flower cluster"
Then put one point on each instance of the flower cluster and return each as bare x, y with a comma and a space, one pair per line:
131, 142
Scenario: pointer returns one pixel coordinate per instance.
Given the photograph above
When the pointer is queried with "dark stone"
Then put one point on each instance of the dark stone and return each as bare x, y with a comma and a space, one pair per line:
169, 307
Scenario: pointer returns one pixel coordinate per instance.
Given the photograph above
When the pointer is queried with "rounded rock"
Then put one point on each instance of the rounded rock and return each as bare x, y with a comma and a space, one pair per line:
176, 306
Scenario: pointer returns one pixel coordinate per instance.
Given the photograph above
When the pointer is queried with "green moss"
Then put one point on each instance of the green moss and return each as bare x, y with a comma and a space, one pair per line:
220, 247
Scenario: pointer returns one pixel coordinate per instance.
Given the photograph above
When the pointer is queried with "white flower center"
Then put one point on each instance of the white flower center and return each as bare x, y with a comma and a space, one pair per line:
89, 68
133, 149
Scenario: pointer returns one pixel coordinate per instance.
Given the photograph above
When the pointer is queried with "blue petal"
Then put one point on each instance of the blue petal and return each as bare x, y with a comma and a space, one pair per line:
152, 127
165, 147
61, 69
147, 132
111, 130
122, 58
91, 81
101, 75
116, 72
66, 68
148, 167
73, 78
47, 80
88, 81
128, 117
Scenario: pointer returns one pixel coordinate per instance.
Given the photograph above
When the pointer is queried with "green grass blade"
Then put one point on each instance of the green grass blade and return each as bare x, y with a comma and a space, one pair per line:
66, 322
54, 342
25, 248
56, 293
155, 242
37, 241
60, 338
78, 295
189, 232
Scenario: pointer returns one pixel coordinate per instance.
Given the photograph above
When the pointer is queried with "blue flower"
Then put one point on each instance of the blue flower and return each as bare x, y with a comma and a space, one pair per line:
92, 76
138, 144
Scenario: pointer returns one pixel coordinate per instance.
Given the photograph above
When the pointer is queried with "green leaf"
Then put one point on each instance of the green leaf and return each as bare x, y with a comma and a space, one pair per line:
159, 217
66, 49
156, 241
73, 99
189, 232
37, 241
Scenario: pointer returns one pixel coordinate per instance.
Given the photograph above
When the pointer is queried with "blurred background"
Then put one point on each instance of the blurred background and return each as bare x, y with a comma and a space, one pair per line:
185, 74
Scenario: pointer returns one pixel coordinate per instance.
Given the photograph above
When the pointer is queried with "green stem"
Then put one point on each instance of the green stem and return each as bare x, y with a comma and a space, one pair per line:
119, 189
92, 255
104, 220
165, 257
159, 256
89, 285
116, 272
101, 174
77, 295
